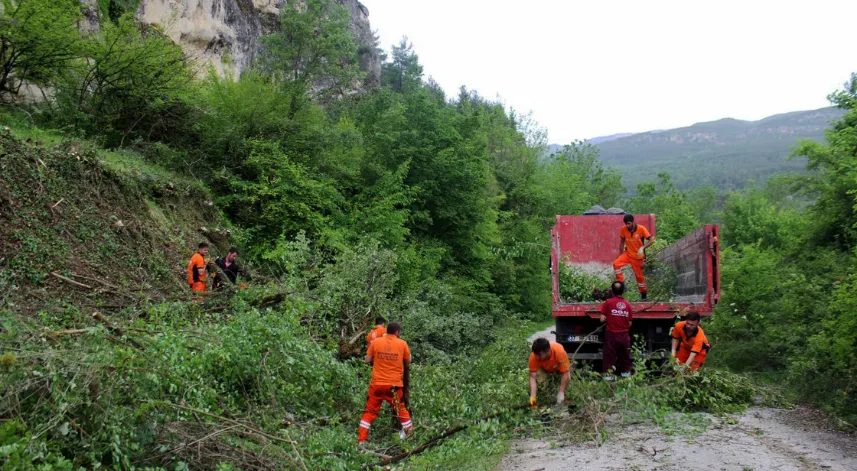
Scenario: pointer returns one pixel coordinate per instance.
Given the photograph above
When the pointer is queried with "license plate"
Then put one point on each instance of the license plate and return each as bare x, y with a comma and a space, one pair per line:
583, 338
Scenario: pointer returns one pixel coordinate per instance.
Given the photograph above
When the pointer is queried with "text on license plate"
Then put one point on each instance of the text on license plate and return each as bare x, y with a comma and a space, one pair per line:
583, 338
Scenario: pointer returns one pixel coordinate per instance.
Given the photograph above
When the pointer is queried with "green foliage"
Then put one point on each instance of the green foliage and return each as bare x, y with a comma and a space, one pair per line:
129, 83
81, 212
787, 274
112, 10
831, 355
126, 407
313, 55
574, 179
404, 73
675, 216
575, 284
38, 41
834, 179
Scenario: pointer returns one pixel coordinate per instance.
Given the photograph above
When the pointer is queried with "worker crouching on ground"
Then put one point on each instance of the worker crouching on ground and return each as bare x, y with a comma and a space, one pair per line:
379, 330
634, 240
617, 313
689, 344
229, 266
390, 358
548, 357
196, 273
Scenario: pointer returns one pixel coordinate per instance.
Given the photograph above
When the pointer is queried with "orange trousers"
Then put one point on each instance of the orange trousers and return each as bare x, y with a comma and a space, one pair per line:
198, 287
379, 394
682, 355
636, 265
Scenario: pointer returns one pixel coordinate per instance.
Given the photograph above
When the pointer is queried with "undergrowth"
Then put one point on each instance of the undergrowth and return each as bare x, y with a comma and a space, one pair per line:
191, 389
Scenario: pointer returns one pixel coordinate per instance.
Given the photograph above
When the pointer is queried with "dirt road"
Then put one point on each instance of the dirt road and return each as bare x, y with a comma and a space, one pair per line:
760, 439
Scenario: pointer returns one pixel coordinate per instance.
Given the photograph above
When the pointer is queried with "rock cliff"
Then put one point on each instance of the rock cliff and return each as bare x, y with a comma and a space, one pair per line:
225, 33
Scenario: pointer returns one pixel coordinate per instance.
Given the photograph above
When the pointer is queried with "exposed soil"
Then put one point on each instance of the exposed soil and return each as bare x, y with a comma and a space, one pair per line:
760, 439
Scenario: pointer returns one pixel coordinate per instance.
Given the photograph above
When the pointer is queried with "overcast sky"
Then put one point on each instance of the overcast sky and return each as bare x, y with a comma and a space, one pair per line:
596, 67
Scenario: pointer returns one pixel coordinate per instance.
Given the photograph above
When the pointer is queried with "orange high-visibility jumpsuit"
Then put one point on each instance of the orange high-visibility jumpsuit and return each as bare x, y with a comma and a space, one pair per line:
698, 344
196, 273
633, 242
388, 355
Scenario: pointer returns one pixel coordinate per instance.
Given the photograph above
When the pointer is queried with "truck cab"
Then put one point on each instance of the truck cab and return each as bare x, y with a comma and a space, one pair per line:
590, 243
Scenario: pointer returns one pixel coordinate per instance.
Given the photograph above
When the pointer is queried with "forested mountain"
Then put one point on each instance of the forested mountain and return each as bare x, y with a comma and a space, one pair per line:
727, 153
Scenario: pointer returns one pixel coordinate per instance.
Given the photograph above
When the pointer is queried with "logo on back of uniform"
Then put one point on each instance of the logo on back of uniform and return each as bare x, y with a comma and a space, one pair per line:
620, 305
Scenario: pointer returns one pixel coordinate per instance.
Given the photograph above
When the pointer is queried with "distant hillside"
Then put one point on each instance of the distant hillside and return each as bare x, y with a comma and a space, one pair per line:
595, 140
726, 153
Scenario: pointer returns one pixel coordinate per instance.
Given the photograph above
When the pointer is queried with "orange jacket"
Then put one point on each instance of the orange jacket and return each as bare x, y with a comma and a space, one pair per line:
375, 333
696, 344
558, 361
388, 355
634, 241
196, 269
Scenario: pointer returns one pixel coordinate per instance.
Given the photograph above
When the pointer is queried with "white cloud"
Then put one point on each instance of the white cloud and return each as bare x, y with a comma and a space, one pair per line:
591, 68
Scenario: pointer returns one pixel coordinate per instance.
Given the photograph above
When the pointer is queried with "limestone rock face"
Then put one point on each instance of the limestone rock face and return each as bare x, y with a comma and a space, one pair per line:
224, 34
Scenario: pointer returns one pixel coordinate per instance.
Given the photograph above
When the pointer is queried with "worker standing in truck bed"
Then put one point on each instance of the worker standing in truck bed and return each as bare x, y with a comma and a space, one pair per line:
634, 240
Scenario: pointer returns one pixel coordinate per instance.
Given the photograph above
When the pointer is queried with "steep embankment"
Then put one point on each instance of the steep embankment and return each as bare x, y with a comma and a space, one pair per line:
163, 382
90, 228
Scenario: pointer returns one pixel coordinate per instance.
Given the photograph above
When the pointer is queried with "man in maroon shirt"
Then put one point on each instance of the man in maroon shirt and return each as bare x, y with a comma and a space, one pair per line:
617, 313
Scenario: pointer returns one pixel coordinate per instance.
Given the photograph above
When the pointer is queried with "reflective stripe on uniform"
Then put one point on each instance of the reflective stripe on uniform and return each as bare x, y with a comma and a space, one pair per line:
364, 424
408, 424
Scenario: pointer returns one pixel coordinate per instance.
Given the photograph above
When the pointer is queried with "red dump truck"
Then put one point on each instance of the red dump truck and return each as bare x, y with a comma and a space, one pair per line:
590, 243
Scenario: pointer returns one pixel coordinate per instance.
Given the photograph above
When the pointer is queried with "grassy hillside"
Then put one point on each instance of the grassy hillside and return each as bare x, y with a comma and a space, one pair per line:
240, 375
103, 219
726, 153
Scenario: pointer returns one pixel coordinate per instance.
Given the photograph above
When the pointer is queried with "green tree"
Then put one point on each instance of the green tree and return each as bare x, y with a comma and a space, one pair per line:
313, 55
675, 215
133, 82
404, 73
833, 182
572, 180
38, 40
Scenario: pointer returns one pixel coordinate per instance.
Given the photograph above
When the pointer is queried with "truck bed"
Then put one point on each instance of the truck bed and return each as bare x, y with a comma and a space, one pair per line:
591, 243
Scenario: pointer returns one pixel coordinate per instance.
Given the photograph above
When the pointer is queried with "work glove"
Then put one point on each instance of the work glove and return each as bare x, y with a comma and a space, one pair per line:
560, 398
640, 252
533, 403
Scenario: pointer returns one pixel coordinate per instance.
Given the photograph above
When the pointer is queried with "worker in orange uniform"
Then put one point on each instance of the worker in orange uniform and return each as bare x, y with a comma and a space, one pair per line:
379, 330
548, 357
196, 272
634, 240
689, 344
390, 358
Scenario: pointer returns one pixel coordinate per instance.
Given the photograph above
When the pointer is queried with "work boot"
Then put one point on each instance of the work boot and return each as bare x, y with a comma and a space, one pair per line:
625, 375
643, 296
609, 377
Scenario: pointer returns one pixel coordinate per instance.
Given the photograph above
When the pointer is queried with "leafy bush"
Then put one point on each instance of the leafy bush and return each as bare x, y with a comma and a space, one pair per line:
128, 83
575, 284
39, 42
